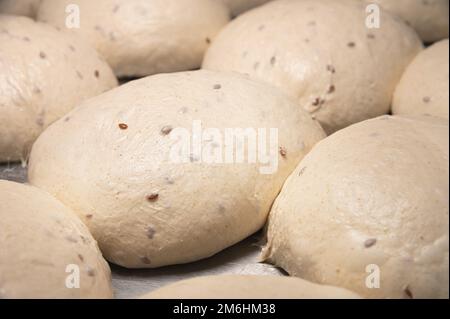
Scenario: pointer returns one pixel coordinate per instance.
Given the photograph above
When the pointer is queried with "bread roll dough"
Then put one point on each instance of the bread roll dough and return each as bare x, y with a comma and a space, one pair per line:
111, 161
423, 88
44, 73
321, 53
239, 6
19, 7
144, 37
372, 197
248, 287
428, 17
40, 241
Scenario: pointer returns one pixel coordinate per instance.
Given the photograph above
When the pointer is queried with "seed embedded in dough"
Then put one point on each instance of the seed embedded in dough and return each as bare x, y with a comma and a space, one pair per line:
408, 292
302, 171
273, 60
316, 101
370, 242
166, 130
71, 239
331, 68
151, 232
153, 197
91, 272
123, 126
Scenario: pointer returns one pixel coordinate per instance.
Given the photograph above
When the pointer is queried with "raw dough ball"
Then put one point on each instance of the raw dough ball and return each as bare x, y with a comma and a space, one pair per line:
371, 197
239, 6
248, 287
144, 37
113, 160
44, 73
423, 88
321, 53
428, 17
40, 241
19, 7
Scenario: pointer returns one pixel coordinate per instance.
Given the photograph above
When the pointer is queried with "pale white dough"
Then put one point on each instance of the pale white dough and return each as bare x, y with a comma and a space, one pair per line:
143, 37
369, 203
44, 73
321, 53
46, 249
110, 160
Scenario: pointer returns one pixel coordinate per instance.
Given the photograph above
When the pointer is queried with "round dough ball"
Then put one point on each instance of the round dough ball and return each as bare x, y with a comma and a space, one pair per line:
428, 17
423, 88
44, 73
321, 53
44, 247
239, 6
144, 37
114, 161
248, 287
20, 7
368, 202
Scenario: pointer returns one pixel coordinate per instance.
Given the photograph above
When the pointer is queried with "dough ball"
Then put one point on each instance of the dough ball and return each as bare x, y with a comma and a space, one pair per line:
143, 37
248, 287
239, 6
44, 73
368, 206
20, 7
428, 17
46, 249
423, 88
147, 169
321, 53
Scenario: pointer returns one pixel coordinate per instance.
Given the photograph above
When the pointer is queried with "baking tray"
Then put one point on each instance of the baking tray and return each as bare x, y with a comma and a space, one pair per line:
241, 258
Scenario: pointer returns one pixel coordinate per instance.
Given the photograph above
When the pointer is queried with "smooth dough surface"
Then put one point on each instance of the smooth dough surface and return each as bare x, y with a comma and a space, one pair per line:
321, 53
40, 241
44, 73
423, 88
20, 7
144, 37
369, 201
111, 160
239, 6
428, 17
248, 287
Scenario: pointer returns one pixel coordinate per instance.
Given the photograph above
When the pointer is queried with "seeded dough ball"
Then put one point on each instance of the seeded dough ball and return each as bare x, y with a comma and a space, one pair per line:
428, 17
44, 247
153, 189
368, 202
423, 88
19, 7
44, 73
321, 53
239, 6
248, 287
143, 37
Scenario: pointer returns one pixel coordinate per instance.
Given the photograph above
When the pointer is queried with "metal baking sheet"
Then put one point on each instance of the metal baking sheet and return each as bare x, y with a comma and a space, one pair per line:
241, 258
